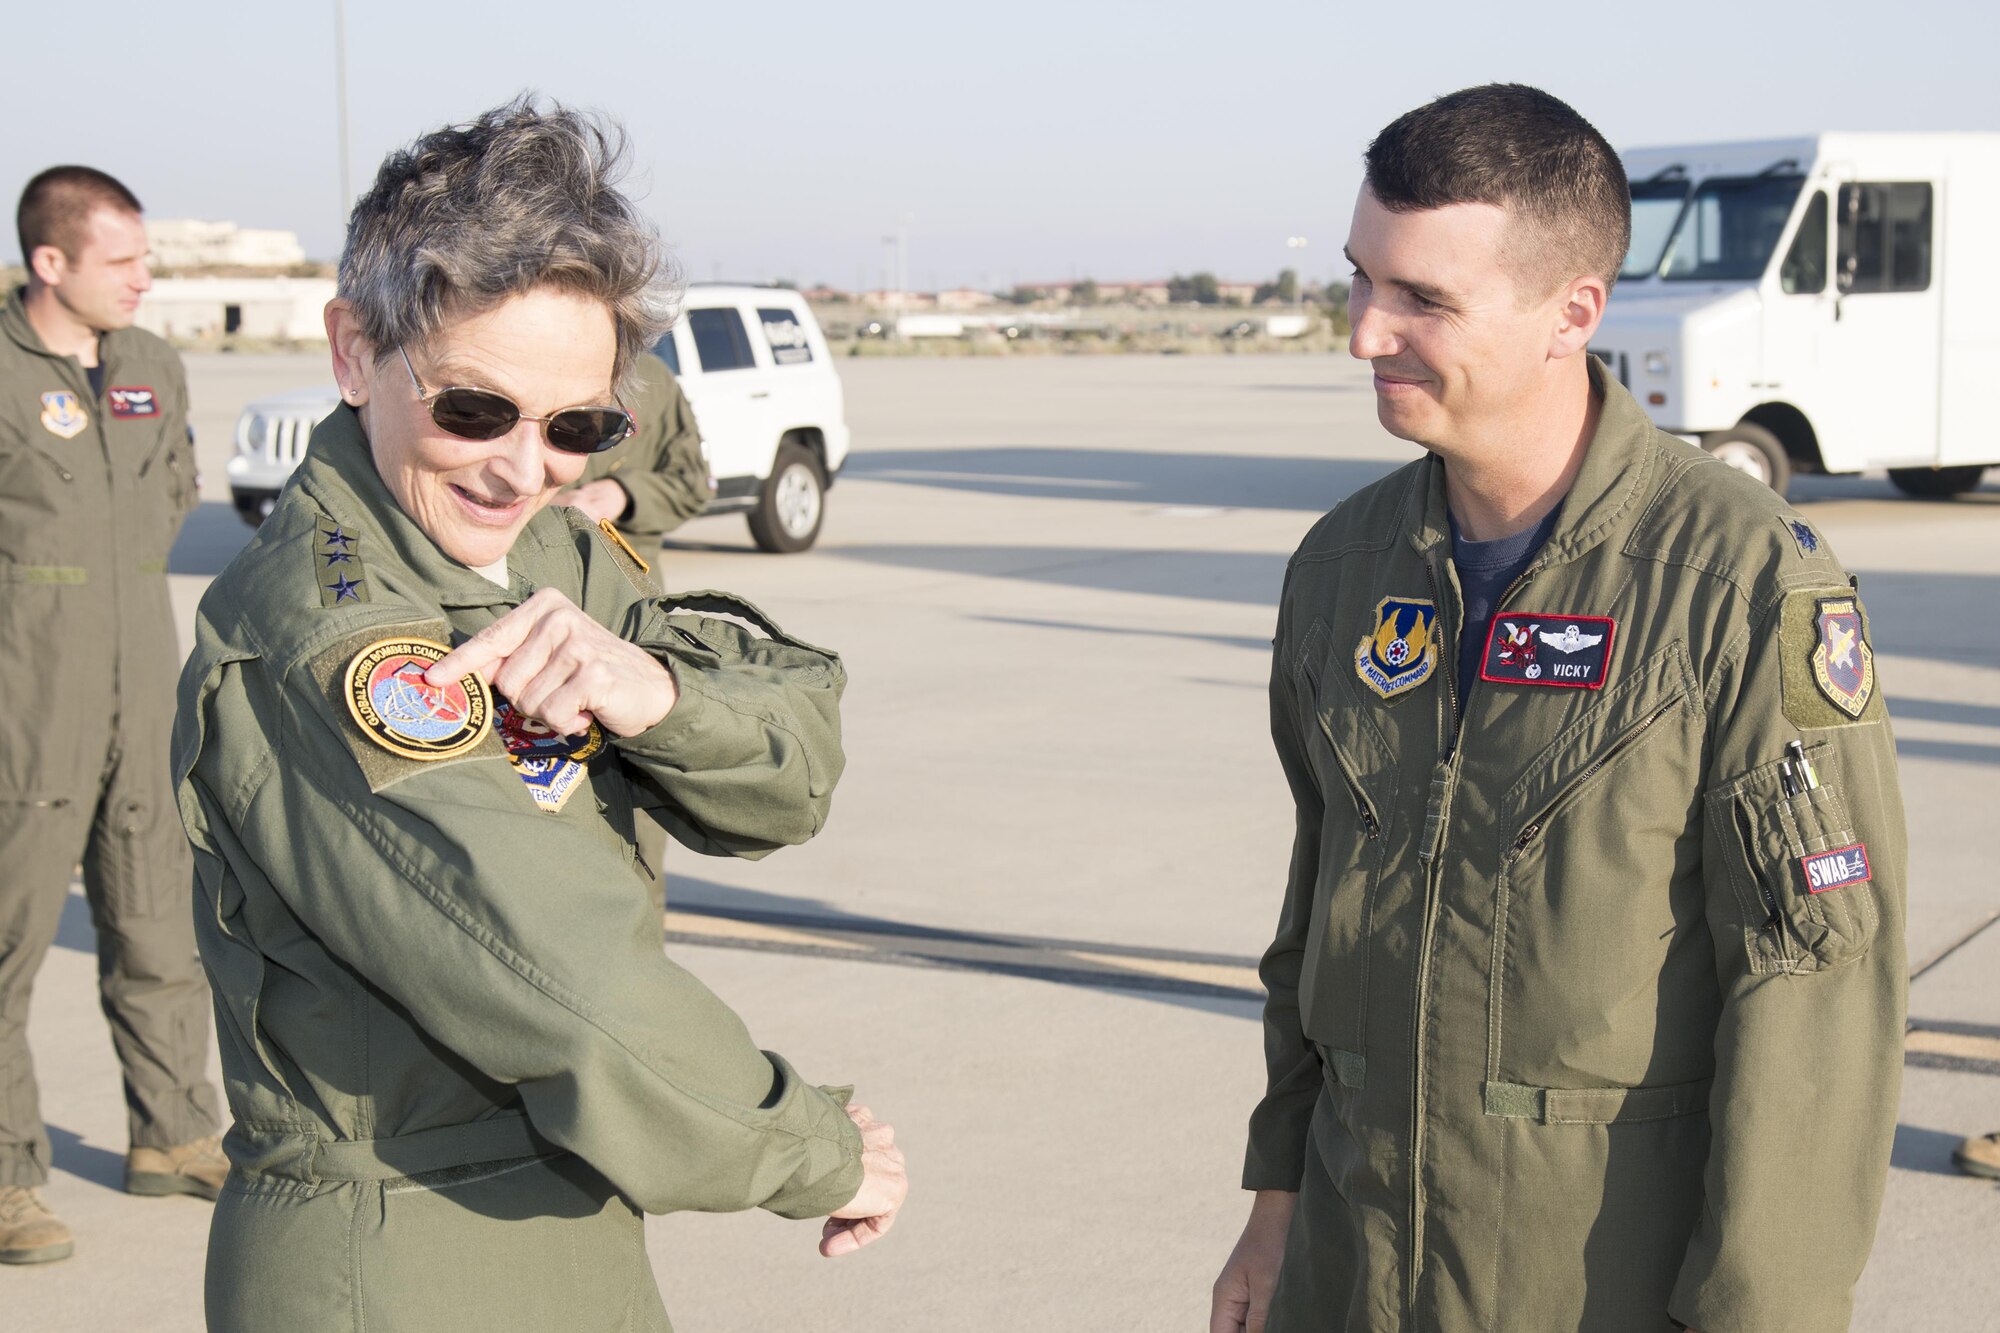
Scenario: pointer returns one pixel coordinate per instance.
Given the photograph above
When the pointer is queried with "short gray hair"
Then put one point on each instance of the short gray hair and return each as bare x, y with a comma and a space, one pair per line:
519, 198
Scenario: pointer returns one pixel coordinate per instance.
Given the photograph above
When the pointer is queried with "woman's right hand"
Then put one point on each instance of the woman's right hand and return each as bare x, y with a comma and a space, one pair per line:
868, 1216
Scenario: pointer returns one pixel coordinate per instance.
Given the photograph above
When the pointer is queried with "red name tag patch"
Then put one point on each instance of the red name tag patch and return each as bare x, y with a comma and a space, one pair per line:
1573, 652
135, 400
1840, 868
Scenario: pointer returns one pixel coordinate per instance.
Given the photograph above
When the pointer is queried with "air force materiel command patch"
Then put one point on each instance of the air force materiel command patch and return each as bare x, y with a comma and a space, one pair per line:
1573, 652
1843, 665
1400, 652
133, 400
551, 763
398, 710
1840, 868
63, 415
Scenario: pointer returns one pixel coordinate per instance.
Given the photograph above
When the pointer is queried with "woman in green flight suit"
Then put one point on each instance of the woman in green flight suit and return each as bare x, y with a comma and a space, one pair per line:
423, 715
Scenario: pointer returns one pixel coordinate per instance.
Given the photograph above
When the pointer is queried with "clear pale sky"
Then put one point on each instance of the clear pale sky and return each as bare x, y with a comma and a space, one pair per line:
1024, 140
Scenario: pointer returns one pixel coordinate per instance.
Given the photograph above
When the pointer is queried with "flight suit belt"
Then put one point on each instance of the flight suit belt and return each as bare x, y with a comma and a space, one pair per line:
1596, 1106
494, 1140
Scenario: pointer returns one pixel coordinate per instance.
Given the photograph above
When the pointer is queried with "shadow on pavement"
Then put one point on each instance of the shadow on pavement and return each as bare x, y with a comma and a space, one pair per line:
1252, 578
99, 1166
1960, 752
1253, 642
1925, 1150
73, 928
856, 938
209, 540
1941, 710
1944, 617
1231, 481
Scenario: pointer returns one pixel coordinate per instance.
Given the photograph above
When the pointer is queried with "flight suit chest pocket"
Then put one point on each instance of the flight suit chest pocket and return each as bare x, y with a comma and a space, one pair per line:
1799, 867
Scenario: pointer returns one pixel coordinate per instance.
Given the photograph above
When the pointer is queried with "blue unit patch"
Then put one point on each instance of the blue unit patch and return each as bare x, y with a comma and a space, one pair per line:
549, 762
63, 415
1841, 868
1843, 665
1399, 652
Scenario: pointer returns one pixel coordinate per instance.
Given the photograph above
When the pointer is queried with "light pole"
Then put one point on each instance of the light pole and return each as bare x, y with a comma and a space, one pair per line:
340, 103
1297, 243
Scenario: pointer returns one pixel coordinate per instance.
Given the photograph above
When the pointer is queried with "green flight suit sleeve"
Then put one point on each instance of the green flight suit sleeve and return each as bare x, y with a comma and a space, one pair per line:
1275, 1158
182, 476
516, 939
1809, 1047
747, 759
667, 478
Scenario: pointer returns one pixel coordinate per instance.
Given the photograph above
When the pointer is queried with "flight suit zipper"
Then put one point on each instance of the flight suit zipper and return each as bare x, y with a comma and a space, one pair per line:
1437, 816
1371, 824
1533, 828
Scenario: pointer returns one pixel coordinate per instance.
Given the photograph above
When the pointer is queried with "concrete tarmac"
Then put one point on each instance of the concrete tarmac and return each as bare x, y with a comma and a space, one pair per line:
1062, 836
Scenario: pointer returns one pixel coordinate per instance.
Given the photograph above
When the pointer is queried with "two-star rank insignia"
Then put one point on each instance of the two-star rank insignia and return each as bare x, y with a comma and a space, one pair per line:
1400, 651
1533, 649
549, 762
337, 565
1843, 666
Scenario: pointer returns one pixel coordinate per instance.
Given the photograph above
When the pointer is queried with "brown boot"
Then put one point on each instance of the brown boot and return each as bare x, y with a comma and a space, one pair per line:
1979, 1157
197, 1168
29, 1232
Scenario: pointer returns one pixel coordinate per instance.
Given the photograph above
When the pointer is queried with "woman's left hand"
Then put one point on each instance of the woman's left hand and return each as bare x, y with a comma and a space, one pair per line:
560, 667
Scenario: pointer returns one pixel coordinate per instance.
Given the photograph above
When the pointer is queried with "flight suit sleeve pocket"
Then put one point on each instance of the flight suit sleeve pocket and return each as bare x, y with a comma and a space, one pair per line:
1798, 870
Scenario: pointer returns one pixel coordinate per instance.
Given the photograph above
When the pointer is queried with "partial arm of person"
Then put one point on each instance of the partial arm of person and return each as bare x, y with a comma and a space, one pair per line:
513, 937
666, 480
181, 471
1274, 1163
1809, 1047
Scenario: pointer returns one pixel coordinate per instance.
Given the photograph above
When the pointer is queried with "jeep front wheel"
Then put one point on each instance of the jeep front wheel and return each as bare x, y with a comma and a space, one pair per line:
791, 504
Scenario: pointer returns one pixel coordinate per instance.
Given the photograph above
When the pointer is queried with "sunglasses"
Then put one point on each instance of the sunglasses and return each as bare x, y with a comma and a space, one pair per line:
481, 414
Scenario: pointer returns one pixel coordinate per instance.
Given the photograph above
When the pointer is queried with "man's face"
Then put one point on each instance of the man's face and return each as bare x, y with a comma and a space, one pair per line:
1440, 314
546, 350
102, 284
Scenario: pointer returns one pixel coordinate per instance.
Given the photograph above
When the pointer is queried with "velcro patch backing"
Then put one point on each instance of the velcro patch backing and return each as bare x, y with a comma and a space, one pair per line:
1808, 648
380, 766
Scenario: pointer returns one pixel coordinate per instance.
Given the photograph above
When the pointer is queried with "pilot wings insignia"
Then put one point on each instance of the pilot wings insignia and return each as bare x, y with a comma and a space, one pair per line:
1571, 640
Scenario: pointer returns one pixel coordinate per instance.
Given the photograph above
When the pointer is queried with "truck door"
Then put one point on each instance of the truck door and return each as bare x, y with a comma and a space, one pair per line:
1879, 358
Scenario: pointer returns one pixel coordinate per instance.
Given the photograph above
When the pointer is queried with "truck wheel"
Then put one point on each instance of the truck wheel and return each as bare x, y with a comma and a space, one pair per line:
1751, 449
1936, 483
791, 504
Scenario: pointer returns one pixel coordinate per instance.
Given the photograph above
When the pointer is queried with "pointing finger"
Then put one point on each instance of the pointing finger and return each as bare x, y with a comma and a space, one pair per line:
490, 645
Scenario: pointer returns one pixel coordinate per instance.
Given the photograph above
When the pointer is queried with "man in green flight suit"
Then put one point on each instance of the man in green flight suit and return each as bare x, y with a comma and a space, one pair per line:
96, 474
657, 478
647, 485
1586, 999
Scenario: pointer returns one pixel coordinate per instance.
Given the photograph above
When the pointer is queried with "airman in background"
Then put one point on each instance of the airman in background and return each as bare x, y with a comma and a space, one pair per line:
96, 475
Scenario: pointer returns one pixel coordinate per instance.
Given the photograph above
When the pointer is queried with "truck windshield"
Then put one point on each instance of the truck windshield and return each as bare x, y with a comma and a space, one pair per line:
1655, 205
1730, 227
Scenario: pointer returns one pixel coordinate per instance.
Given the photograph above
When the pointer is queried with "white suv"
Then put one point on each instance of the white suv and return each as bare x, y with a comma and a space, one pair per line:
756, 370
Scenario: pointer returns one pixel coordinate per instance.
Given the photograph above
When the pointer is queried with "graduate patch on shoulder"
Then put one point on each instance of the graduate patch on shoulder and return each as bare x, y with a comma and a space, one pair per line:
1827, 670
398, 710
1399, 652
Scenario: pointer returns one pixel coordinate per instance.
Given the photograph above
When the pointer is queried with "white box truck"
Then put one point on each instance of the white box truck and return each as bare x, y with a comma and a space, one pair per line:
1824, 304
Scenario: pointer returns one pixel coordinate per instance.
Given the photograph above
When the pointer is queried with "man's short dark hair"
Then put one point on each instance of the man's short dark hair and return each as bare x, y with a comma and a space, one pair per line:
56, 207
1520, 149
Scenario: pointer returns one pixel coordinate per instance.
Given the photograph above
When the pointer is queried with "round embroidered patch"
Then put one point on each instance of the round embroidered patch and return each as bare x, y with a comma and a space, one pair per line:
405, 715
